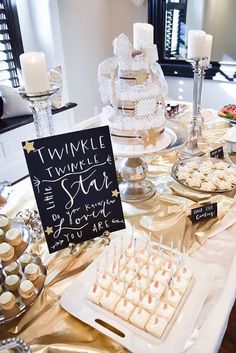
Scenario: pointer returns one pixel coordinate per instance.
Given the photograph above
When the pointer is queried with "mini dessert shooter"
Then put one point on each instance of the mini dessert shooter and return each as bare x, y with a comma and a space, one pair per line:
8, 305
27, 292
33, 273
4, 223
7, 253
156, 325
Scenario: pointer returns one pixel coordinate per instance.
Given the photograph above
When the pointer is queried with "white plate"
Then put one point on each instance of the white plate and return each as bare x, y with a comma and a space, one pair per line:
73, 300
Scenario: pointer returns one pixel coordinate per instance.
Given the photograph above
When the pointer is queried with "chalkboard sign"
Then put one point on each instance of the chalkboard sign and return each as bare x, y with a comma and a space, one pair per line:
217, 153
201, 213
74, 181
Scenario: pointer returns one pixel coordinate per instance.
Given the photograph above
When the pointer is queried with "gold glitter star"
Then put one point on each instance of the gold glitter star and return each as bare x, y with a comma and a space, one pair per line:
49, 230
115, 193
141, 78
29, 146
150, 137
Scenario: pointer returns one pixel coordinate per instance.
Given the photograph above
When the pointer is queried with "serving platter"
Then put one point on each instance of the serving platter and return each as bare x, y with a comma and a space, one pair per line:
75, 302
25, 236
199, 161
22, 306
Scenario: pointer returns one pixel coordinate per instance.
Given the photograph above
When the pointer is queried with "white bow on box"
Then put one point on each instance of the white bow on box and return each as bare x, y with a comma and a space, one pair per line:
138, 2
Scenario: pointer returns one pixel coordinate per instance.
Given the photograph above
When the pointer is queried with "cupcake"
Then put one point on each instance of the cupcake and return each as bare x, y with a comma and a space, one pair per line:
13, 237
27, 292
2, 236
32, 272
7, 253
25, 259
4, 223
8, 305
12, 283
12, 269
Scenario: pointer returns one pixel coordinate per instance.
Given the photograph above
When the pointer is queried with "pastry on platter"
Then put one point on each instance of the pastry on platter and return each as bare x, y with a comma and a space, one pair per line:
95, 293
140, 317
133, 294
156, 288
165, 310
12, 269
109, 300
124, 309
27, 292
105, 280
156, 325
149, 303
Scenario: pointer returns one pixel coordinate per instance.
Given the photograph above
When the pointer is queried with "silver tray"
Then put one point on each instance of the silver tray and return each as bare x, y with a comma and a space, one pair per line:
23, 307
25, 235
199, 160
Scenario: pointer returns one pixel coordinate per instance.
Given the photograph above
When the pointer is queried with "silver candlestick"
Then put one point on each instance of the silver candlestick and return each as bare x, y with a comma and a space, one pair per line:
41, 106
193, 149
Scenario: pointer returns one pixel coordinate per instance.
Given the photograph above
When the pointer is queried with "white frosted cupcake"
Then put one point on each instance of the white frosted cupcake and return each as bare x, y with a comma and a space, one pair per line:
33, 273
25, 259
6, 252
4, 223
12, 283
180, 284
8, 304
2, 236
13, 237
12, 269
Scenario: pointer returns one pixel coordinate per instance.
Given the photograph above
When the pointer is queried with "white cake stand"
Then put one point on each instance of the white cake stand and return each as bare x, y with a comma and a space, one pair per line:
133, 169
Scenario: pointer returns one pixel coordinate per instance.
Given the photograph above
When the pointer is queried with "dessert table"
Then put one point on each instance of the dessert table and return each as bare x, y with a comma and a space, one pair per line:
46, 327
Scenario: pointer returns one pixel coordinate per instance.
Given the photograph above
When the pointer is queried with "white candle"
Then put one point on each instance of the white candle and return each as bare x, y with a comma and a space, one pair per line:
34, 72
207, 51
196, 43
142, 35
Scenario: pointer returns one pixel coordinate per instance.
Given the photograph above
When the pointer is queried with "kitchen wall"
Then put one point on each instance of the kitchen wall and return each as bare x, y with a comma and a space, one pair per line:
79, 37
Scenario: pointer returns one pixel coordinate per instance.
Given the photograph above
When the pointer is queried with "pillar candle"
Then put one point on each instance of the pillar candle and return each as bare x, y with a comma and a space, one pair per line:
196, 43
207, 51
34, 72
142, 35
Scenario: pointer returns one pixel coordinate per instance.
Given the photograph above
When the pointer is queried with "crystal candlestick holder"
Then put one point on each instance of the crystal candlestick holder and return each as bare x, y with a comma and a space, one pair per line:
41, 106
202, 70
193, 149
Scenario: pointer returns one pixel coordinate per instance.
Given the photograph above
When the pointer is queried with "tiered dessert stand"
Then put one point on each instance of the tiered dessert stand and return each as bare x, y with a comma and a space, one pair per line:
134, 186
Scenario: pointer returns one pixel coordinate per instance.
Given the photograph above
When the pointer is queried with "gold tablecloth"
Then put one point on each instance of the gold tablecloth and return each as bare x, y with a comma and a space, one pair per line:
46, 326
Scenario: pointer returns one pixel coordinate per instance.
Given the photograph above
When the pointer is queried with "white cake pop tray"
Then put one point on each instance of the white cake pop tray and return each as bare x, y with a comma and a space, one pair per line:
136, 340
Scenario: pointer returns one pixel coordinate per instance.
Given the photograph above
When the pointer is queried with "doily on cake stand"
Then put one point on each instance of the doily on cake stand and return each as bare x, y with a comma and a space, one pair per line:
133, 169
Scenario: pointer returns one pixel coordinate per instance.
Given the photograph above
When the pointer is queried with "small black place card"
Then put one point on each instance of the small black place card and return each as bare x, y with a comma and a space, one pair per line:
74, 181
201, 213
217, 153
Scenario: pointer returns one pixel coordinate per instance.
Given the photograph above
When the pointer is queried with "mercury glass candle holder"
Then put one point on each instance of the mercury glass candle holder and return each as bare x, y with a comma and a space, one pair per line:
41, 106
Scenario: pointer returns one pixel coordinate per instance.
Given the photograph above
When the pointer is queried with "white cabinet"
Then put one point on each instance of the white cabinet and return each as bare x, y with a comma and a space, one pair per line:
12, 161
